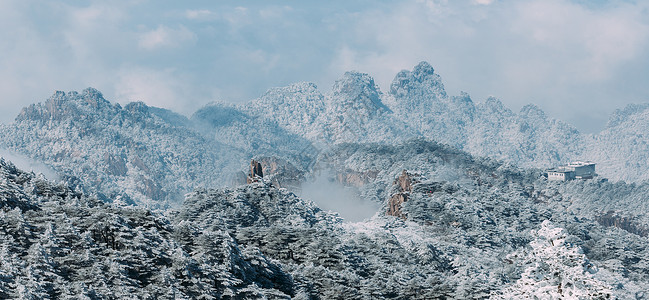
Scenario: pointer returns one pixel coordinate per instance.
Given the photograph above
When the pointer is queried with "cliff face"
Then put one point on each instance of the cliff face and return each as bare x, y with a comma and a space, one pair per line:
402, 187
256, 172
282, 173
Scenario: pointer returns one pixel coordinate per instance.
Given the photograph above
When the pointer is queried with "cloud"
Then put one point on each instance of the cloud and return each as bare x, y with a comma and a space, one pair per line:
53, 46
330, 195
561, 55
161, 88
164, 36
200, 14
592, 42
566, 56
29, 165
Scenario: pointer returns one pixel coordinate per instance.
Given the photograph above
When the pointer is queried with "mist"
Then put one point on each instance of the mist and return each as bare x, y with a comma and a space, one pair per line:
27, 164
331, 195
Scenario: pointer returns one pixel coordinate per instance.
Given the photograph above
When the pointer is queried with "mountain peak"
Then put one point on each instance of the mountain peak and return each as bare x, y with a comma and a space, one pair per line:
422, 81
61, 105
354, 82
93, 93
533, 111
621, 115
423, 68
495, 106
137, 107
356, 88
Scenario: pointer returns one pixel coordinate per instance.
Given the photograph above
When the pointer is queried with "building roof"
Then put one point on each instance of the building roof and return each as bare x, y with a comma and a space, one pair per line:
580, 163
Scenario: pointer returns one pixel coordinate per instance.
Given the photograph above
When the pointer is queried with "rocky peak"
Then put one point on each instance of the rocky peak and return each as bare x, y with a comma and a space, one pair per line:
61, 105
256, 172
93, 98
423, 69
493, 106
621, 115
359, 92
464, 97
421, 82
402, 186
281, 173
137, 107
404, 182
531, 111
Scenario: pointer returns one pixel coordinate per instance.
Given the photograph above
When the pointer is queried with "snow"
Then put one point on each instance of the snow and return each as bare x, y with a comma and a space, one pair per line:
479, 221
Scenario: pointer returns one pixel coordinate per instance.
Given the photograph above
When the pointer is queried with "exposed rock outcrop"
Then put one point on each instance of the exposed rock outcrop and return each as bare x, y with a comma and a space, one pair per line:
281, 173
402, 187
353, 178
256, 172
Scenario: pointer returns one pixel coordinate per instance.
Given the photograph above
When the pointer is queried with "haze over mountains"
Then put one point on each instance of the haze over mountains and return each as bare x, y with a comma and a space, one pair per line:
470, 214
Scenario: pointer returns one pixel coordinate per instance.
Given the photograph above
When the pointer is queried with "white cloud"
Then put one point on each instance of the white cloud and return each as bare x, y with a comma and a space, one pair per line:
164, 36
29, 165
166, 88
563, 56
588, 43
559, 54
200, 14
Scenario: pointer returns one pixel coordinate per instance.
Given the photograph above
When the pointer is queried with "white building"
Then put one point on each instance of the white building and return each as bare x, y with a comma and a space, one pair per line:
573, 170
583, 169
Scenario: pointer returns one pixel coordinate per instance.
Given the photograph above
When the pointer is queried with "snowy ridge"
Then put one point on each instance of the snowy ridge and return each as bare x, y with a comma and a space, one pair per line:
137, 153
150, 155
352, 112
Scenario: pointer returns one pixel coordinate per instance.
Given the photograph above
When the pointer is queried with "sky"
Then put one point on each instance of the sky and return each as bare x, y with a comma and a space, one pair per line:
577, 60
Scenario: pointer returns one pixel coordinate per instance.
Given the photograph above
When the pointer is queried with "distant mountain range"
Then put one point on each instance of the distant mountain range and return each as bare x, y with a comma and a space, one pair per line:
148, 155
152, 204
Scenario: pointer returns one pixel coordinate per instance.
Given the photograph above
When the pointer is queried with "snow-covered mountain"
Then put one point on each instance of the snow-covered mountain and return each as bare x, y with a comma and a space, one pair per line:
622, 148
352, 112
142, 210
470, 228
149, 154
133, 152
417, 105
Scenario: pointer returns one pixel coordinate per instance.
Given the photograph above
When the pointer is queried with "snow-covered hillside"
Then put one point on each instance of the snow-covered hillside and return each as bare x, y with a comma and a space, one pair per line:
59, 243
136, 153
470, 228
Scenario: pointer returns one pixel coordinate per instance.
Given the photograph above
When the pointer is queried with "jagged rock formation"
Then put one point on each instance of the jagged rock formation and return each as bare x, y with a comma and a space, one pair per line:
402, 187
256, 173
282, 173
528, 138
352, 112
